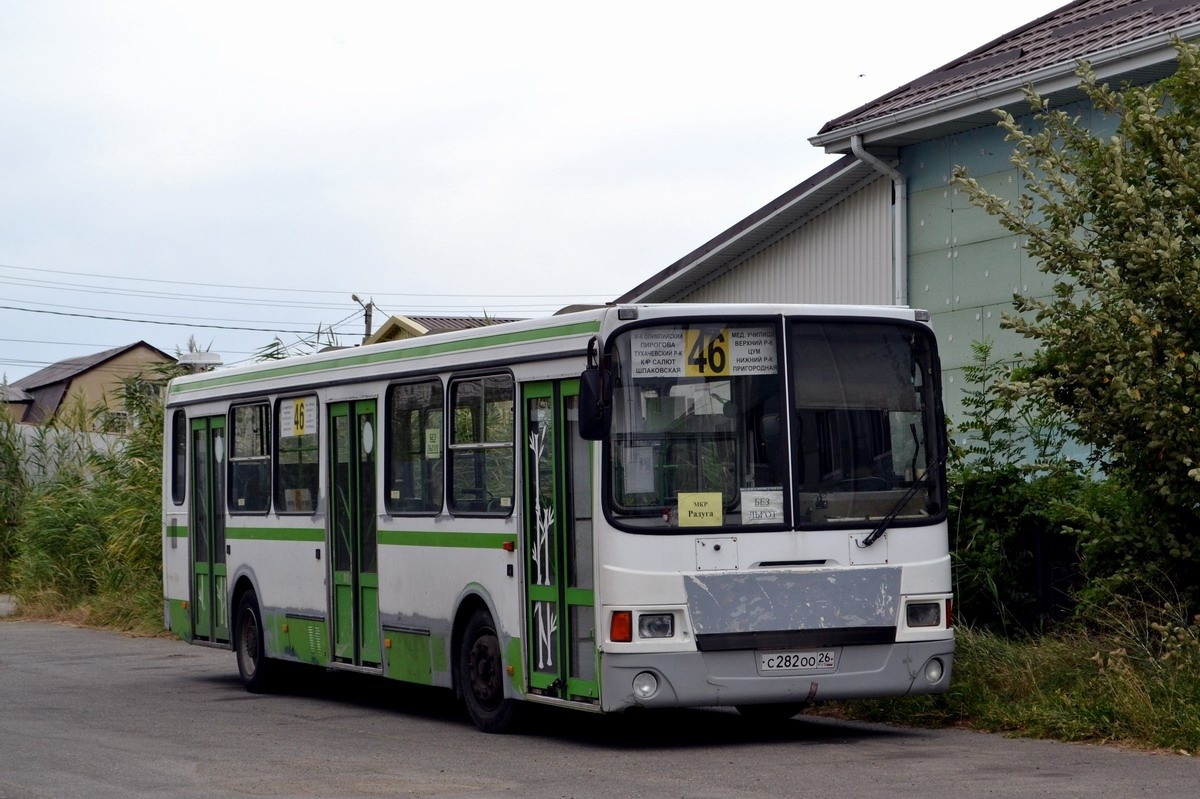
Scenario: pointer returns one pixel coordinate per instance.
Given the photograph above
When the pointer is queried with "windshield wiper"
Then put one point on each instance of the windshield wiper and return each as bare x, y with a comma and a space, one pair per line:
886, 521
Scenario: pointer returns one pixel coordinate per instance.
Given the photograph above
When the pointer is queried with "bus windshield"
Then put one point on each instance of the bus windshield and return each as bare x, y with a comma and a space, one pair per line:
700, 436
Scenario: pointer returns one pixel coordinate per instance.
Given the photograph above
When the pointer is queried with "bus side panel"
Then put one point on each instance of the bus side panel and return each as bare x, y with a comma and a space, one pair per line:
175, 544
289, 578
422, 577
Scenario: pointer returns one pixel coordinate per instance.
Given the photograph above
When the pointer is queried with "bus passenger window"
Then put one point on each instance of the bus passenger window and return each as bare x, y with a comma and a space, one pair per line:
414, 448
179, 436
481, 446
250, 459
299, 468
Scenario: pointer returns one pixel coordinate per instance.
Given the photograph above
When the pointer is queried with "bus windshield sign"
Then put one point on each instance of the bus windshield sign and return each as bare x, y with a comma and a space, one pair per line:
716, 351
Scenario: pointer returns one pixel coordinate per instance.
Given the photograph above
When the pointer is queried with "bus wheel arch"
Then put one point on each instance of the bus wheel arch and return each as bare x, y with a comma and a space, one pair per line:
242, 584
258, 672
478, 664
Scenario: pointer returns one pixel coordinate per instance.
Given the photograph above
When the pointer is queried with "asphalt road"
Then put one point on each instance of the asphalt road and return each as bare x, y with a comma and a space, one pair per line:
98, 715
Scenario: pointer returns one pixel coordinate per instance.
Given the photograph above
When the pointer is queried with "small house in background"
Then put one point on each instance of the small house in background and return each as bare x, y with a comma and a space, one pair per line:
397, 328
88, 380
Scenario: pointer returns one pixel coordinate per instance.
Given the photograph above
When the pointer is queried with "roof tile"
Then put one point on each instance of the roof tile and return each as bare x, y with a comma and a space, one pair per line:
1069, 34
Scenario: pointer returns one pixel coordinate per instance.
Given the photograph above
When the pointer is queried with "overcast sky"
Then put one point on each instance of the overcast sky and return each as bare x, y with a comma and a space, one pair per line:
218, 165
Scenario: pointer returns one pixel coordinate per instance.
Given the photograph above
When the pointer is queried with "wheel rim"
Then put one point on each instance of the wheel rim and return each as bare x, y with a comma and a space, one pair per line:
483, 667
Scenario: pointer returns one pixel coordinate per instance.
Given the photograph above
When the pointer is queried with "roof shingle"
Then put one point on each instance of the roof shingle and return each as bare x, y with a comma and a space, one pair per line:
1075, 32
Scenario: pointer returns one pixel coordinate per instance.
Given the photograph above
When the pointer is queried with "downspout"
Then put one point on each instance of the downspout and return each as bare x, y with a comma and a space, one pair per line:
899, 219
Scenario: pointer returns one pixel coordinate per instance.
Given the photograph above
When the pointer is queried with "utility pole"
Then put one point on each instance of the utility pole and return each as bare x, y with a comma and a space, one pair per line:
367, 307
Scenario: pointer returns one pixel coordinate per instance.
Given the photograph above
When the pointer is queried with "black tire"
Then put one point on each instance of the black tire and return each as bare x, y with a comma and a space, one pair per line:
772, 711
481, 676
257, 670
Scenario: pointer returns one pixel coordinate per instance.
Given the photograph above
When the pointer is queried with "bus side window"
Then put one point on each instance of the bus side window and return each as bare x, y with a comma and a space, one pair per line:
299, 467
481, 451
179, 437
414, 447
250, 459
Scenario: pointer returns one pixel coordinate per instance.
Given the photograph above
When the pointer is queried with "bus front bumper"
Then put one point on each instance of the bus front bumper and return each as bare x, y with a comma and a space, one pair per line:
701, 679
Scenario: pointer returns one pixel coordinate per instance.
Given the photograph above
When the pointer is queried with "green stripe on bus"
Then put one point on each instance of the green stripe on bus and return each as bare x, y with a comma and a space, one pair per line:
410, 538
396, 538
275, 533
365, 358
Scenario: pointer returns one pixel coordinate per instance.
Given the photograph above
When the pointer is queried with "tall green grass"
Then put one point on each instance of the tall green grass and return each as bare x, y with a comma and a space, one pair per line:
1130, 675
84, 542
12, 495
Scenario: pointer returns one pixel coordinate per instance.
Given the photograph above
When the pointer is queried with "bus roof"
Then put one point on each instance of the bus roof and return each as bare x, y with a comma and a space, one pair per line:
554, 336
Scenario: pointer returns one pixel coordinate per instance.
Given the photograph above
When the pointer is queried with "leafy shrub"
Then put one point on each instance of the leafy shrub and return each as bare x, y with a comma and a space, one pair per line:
1015, 503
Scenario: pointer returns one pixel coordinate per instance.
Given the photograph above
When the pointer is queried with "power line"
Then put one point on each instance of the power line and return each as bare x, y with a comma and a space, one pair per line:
64, 343
159, 315
162, 295
279, 289
424, 308
151, 321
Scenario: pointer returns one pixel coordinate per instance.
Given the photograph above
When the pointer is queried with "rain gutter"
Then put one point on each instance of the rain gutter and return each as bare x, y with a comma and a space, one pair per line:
899, 219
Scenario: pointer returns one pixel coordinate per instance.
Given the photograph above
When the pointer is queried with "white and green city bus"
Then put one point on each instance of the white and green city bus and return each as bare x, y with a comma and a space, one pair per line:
649, 505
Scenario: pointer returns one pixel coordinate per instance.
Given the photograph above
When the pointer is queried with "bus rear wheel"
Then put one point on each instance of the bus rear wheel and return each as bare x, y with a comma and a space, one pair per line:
481, 676
256, 669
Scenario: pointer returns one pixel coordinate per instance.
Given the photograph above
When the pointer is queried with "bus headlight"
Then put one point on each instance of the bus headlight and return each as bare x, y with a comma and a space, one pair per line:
656, 625
924, 614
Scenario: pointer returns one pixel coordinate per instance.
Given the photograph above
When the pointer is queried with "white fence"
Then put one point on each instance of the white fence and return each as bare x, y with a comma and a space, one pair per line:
47, 449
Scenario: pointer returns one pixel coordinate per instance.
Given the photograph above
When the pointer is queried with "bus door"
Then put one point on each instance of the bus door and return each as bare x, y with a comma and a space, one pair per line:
353, 566
558, 545
210, 616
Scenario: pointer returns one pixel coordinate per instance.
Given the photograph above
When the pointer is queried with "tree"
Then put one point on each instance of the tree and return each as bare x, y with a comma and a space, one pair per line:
1116, 220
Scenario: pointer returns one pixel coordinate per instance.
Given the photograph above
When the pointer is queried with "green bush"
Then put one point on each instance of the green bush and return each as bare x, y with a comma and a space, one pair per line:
1033, 531
1015, 561
1110, 217
1015, 501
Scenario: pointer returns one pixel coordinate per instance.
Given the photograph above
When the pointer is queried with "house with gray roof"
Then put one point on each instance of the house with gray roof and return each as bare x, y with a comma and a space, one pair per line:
88, 380
884, 225
407, 326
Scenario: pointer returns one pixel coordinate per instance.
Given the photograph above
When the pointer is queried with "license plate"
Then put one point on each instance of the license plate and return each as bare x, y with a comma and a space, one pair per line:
811, 662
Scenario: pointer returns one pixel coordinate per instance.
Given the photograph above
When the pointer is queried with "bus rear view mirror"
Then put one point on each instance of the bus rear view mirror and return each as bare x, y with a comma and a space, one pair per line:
595, 404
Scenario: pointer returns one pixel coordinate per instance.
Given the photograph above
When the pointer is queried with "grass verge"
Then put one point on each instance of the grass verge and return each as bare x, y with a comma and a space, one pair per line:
1134, 682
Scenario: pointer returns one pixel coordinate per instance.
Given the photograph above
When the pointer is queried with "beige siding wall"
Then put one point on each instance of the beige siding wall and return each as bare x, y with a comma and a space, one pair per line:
842, 256
103, 383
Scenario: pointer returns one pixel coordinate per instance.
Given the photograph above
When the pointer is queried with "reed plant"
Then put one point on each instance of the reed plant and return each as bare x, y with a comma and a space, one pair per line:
87, 540
12, 495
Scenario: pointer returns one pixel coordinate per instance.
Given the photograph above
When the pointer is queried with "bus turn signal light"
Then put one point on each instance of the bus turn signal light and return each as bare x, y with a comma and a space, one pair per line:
621, 627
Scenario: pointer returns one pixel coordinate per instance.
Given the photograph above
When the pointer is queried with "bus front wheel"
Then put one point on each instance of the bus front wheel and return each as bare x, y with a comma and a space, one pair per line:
256, 669
481, 676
